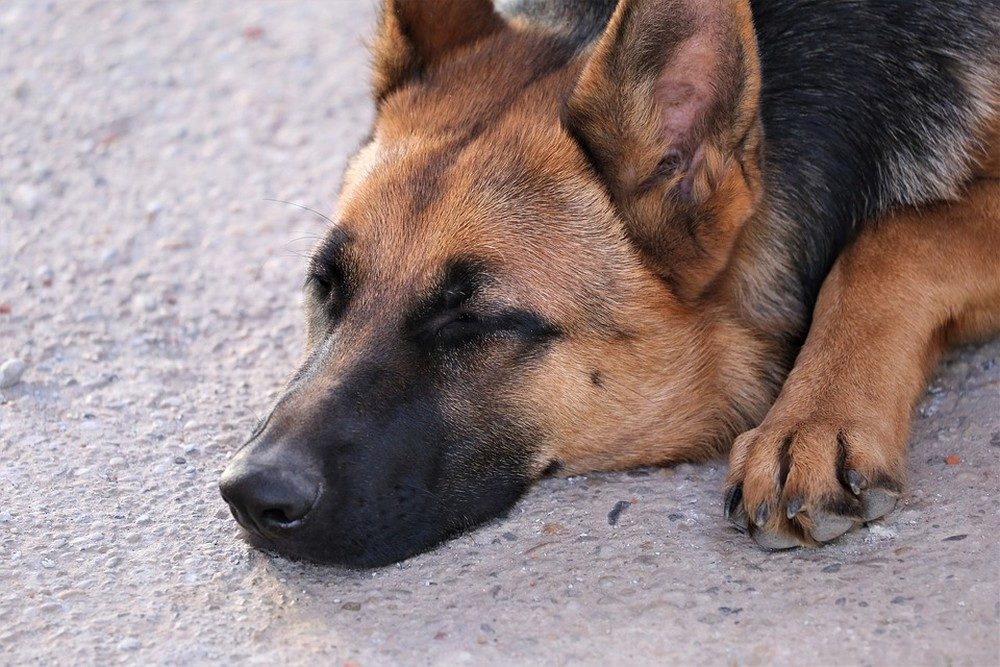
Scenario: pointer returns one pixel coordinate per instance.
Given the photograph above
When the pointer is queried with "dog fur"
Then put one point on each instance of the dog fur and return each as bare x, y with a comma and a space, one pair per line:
595, 235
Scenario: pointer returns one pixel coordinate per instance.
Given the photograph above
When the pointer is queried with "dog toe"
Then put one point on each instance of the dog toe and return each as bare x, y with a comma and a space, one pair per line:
774, 541
826, 527
878, 502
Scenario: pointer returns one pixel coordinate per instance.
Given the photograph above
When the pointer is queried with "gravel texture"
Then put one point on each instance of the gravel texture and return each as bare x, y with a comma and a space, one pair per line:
152, 291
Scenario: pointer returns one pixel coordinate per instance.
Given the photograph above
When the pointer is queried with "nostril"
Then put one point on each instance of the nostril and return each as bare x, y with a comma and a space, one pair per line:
265, 499
279, 518
275, 516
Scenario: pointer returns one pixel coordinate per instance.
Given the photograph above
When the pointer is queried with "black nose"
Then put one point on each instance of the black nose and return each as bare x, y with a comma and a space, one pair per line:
268, 500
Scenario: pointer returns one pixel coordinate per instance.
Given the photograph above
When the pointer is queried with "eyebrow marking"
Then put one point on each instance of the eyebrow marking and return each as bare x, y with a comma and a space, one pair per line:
329, 252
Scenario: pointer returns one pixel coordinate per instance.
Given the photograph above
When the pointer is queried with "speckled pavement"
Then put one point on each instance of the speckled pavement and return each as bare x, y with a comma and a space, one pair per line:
153, 292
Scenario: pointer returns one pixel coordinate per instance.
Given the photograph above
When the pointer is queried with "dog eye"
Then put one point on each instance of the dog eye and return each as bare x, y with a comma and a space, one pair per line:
456, 328
319, 281
328, 286
460, 327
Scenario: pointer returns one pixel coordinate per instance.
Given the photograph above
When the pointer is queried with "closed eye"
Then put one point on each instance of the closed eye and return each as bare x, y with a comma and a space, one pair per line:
457, 328
457, 316
328, 285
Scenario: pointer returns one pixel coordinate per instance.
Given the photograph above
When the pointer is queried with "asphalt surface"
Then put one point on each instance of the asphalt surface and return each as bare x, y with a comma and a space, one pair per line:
153, 293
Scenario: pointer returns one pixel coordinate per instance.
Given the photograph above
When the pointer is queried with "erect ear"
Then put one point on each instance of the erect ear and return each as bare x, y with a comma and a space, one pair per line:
414, 35
667, 109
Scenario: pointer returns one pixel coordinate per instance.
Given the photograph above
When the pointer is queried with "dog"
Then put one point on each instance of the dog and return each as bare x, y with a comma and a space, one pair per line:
592, 236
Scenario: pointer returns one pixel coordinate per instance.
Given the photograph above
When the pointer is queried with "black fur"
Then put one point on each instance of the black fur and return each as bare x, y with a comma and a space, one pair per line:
850, 87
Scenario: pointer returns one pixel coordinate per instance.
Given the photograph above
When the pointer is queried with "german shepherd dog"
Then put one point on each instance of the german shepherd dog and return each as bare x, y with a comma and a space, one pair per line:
593, 235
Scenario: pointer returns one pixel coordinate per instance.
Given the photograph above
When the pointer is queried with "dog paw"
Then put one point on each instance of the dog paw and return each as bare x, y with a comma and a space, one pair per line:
807, 482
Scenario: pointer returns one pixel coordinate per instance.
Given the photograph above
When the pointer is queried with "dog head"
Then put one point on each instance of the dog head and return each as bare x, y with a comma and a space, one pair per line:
521, 277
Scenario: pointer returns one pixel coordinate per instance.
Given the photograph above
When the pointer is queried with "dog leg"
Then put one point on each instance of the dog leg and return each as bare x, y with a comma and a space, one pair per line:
830, 453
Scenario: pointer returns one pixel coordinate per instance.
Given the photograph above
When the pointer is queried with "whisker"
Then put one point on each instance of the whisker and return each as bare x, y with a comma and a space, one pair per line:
302, 206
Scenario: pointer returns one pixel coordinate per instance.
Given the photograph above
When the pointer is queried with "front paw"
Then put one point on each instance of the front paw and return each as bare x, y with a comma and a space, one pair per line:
808, 481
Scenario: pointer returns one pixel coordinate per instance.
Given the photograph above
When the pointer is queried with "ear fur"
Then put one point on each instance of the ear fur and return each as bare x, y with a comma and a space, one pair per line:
414, 35
667, 109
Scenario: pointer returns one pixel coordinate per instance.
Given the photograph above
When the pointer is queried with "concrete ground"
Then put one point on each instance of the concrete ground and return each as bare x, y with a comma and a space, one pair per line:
152, 291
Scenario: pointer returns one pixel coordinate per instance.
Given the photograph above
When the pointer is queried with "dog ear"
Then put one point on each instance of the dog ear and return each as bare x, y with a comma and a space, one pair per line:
667, 109
414, 35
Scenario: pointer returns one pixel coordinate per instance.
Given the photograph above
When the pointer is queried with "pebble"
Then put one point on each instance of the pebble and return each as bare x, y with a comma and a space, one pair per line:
130, 644
45, 275
146, 302
617, 510
110, 257
11, 372
27, 198
877, 532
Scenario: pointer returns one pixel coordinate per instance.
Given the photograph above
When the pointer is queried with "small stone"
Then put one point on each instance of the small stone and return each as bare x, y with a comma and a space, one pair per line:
109, 257
552, 528
351, 606
180, 460
11, 372
617, 510
45, 275
27, 198
41, 172
172, 243
953, 460
130, 644
252, 33
21, 90
145, 302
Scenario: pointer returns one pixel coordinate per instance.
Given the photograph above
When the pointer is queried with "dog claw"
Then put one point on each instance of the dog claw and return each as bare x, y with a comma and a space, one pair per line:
794, 507
734, 509
877, 503
760, 516
734, 495
826, 527
856, 481
774, 541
